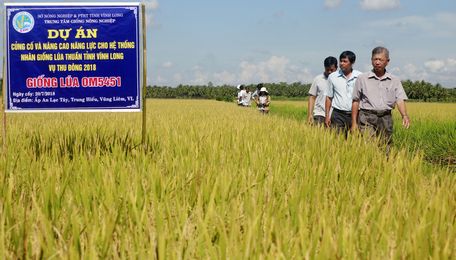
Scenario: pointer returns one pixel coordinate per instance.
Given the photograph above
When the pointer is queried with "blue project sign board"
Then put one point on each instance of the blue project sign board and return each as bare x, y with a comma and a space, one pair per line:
73, 57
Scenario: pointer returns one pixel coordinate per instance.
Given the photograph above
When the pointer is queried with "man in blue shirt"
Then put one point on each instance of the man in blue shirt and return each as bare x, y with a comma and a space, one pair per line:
339, 93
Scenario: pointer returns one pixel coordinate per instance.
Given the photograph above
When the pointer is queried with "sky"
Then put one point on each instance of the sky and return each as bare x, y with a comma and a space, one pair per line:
250, 41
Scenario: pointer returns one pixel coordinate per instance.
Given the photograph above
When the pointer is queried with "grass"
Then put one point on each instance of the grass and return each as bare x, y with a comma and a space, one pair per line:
214, 181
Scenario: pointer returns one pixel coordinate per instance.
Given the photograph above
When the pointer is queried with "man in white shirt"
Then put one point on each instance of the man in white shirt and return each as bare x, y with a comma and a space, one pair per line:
340, 92
247, 98
256, 93
240, 94
316, 105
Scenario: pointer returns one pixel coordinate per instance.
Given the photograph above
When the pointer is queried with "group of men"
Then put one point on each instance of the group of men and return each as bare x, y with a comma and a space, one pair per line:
260, 96
347, 100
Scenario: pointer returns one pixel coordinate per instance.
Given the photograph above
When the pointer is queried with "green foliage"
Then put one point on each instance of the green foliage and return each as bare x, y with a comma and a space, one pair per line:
225, 92
221, 93
427, 92
418, 90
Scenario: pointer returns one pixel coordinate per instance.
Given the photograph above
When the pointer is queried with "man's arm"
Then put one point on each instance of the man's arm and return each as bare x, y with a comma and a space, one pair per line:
402, 109
329, 93
357, 93
328, 103
310, 109
355, 108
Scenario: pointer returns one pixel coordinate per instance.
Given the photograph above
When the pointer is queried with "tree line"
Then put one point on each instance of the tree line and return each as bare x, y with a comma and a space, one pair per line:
416, 90
225, 92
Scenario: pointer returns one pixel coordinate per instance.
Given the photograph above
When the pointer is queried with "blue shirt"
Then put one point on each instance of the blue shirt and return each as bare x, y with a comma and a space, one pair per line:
340, 89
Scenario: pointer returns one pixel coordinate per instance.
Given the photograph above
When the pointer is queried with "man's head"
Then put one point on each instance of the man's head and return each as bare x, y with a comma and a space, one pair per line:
259, 86
330, 64
347, 59
263, 91
380, 59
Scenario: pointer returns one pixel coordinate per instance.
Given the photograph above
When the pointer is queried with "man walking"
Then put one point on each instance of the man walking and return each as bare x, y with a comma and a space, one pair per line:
316, 106
240, 95
376, 93
339, 94
256, 93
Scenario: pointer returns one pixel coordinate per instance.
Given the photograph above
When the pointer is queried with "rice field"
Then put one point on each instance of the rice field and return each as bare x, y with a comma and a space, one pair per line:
218, 181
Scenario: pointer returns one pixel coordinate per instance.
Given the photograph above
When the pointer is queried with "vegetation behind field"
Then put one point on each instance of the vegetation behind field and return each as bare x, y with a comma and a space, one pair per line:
214, 181
417, 91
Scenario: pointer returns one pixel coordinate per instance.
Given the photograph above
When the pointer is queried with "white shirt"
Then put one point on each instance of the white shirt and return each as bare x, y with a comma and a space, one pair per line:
240, 95
340, 89
318, 89
246, 98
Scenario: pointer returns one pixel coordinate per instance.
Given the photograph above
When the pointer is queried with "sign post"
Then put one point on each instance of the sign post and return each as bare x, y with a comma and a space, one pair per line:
144, 90
4, 147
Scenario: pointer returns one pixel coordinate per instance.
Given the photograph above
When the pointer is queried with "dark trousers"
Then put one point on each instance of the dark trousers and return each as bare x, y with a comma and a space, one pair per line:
319, 120
341, 121
377, 124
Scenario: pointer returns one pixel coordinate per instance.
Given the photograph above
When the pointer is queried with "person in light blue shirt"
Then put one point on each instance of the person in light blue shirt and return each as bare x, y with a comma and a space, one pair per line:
316, 104
340, 92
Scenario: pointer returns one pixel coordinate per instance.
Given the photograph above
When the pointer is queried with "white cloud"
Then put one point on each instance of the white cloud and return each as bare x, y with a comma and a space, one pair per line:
442, 66
274, 69
441, 71
411, 71
379, 4
434, 71
371, 5
332, 3
200, 77
451, 62
225, 77
167, 64
281, 69
151, 5
434, 65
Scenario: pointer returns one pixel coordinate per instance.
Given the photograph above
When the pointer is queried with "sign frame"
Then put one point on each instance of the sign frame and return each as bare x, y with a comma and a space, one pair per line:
139, 62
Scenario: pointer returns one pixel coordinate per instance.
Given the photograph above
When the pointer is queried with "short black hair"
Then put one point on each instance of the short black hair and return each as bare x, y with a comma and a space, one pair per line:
260, 85
330, 61
349, 55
